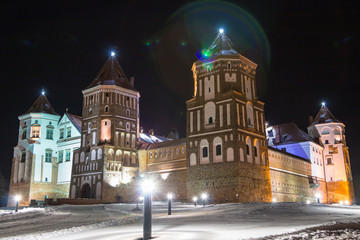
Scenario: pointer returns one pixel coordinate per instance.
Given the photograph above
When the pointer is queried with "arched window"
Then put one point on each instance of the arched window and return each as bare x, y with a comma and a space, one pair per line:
127, 127
99, 153
110, 156
76, 158
250, 114
204, 150
89, 127
127, 143
210, 113
105, 130
118, 155
217, 150
127, 112
93, 138
106, 108
228, 65
248, 150
93, 155
230, 154
90, 110
82, 157
193, 159
257, 151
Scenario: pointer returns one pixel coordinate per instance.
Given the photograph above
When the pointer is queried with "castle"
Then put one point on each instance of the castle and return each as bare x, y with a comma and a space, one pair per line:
229, 151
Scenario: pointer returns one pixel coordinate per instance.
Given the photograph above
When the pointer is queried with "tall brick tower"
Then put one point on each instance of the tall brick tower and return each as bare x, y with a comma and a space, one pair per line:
225, 134
107, 159
331, 133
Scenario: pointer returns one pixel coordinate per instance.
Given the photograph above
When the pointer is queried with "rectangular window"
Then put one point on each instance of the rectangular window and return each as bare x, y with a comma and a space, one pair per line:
67, 158
61, 156
205, 152
68, 132
23, 136
23, 157
61, 133
35, 132
49, 133
218, 150
48, 156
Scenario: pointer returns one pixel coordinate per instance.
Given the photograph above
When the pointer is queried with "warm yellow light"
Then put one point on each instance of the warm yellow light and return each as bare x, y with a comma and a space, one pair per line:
341, 202
274, 200
307, 201
17, 198
195, 199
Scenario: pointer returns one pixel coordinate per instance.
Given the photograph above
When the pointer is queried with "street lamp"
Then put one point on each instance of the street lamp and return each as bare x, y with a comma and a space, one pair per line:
195, 200
17, 199
204, 197
169, 196
148, 188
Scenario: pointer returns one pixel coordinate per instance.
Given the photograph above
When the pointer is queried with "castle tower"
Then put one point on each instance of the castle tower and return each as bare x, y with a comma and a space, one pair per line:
225, 134
34, 168
107, 157
331, 133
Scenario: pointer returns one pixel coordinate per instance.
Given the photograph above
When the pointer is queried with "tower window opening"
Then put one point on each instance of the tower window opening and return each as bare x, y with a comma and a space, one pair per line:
106, 94
106, 108
247, 150
209, 90
210, 120
255, 151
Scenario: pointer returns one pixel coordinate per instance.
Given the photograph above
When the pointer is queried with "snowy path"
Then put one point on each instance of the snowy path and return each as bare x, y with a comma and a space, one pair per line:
226, 221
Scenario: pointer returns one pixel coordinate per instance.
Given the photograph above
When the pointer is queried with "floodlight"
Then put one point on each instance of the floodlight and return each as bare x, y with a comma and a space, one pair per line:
221, 30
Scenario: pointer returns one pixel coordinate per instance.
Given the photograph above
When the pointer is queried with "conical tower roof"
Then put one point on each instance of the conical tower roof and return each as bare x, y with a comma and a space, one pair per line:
324, 116
111, 74
222, 45
41, 105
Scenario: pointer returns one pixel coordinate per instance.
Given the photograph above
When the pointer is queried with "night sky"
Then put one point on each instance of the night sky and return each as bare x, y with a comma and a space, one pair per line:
307, 52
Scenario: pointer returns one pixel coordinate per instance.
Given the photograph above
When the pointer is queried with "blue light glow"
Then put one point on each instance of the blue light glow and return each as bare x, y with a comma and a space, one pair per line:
113, 54
323, 104
221, 30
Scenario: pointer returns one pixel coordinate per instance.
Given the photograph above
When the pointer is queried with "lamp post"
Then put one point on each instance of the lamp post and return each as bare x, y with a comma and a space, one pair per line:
17, 199
169, 196
148, 187
195, 200
204, 197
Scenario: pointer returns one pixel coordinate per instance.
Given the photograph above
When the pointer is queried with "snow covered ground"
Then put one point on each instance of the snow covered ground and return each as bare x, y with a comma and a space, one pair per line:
223, 221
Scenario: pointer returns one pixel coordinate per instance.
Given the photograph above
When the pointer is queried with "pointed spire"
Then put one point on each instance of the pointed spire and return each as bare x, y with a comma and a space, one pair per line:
111, 74
41, 105
324, 116
222, 45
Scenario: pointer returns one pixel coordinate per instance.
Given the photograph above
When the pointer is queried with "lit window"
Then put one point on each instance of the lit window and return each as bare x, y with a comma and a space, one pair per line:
68, 132
67, 157
61, 156
150, 154
35, 131
61, 133
48, 156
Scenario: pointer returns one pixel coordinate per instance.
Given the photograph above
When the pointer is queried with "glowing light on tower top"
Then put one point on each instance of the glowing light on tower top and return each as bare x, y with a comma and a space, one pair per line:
323, 104
113, 54
221, 30
43, 92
